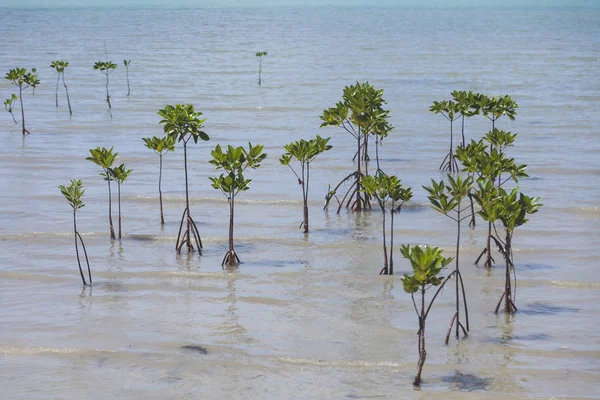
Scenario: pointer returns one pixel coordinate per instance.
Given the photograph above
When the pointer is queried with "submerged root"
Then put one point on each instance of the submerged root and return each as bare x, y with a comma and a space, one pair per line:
230, 259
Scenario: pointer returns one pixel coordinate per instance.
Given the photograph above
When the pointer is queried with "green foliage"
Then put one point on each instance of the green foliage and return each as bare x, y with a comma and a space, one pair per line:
360, 112
73, 193
234, 161
59, 66
385, 187
120, 173
510, 208
9, 103
107, 67
23, 79
261, 54
182, 123
304, 151
448, 108
496, 107
104, 158
126, 63
445, 198
427, 262
160, 145
467, 103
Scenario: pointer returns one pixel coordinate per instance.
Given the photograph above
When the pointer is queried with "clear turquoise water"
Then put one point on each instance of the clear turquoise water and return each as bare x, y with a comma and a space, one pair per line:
303, 317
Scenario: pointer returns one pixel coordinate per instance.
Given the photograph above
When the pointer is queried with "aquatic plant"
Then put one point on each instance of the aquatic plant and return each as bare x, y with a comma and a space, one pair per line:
105, 158
234, 162
451, 111
60, 67
106, 67
385, 188
9, 105
119, 174
23, 80
426, 262
127, 63
511, 210
304, 152
447, 199
260, 56
360, 113
467, 105
160, 146
495, 107
183, 123
74, 195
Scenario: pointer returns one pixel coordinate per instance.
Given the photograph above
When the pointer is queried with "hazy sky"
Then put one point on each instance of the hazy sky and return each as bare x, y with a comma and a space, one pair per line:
268, 3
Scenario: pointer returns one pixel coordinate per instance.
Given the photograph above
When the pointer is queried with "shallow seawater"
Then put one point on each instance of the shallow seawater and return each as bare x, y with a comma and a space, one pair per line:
303, 317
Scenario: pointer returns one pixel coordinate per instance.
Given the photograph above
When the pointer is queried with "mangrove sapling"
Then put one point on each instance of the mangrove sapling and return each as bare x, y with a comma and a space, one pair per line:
467, 106
106, 67
360, 113
182, 123
304, 152
234, 162
60, 67
160, 147
23, 80
260, 56
495, 107
119, 174
511, 209
9, 105
448, 199
105, 158
427, 262
127, 63
386, 188
451, 111
74, 195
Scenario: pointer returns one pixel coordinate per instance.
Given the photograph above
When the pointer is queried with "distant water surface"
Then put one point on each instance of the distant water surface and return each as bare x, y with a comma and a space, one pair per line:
303, 317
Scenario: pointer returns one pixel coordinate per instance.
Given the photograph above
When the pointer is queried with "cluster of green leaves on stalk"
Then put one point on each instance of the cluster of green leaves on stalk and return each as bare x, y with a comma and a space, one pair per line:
260, 55
126, 64
9, 105
182, 123
160, 146
106, 67
234, 161
361, 114
22, 79
304, 152
73, 193
59, 66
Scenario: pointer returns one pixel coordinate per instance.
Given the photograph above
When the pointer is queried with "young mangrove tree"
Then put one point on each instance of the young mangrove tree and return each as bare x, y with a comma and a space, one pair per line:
260, 56
105, 158
119, 174
160, 146
23, 80
106, 67
60, 67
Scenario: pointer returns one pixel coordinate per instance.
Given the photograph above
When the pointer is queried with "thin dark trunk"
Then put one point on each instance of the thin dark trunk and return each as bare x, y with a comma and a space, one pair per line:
187, 199
377, 153
76, 246
463, 130
392, 240
67, 92
259, 71
508, 301
422, 351
22, 111
162, 218
112, 229
385, 254
231, 212
56, 91
305, 178
358, 174
107, 94
457, 270
488, 247
128, 87
119, 199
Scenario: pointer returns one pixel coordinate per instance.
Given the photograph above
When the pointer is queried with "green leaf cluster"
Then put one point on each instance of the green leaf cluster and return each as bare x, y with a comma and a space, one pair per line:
445, 198
105, 66
104, 158
427, 262
73, 193
160, 145
127, 63
304, 151
235, 160
261, 54
9, 103
182, 123
59, 66
510, 208
385, 187
23, 79
120, 173
496, 107
360, 112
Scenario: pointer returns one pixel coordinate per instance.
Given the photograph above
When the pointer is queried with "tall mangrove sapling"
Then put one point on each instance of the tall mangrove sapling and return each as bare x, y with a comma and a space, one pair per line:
9, 105
426, 262
160, 147
74, 195
182, 123
120, 174
23, 80
304, 152
60, 67
127, 63
106, 67
260, 56
105, 158
385, 188
234, 162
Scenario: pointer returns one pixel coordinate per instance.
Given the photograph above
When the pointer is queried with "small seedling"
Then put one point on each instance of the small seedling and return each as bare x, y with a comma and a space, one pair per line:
106, 67
260, 56
234, 162
60, 67
451, 111
119, 174
160, 146
182, 123
385, 188
104, 159
74, 195
9, 105
127, 63
23, 80
426, 262
304, 152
